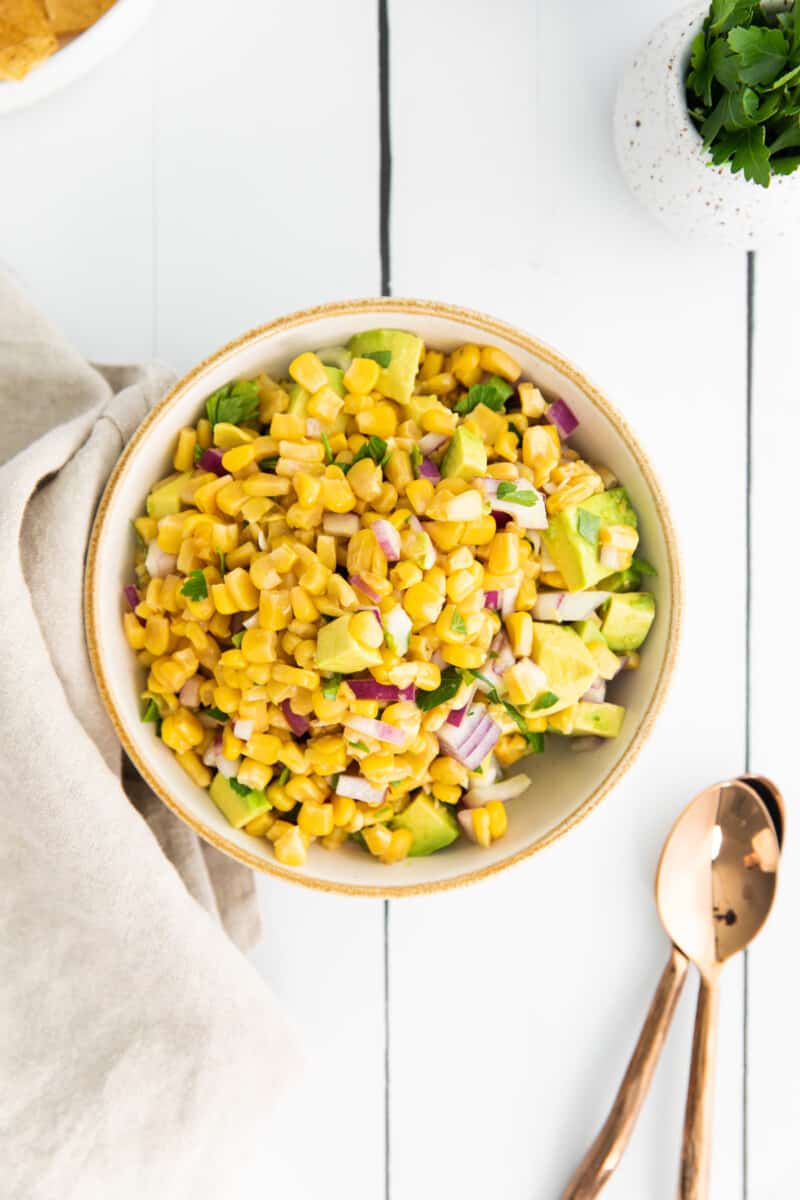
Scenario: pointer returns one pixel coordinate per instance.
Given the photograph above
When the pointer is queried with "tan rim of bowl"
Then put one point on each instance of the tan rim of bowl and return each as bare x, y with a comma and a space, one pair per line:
484, 325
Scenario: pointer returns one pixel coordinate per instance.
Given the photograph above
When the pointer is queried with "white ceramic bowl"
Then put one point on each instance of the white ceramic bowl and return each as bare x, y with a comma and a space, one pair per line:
566, 786
665, 164
77, 57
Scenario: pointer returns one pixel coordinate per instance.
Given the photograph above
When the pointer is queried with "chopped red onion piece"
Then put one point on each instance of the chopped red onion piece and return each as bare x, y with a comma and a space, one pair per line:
297, 723
397, 627
508, 601
492, 599
532, 516
386, 693
381, 731
159, 564
228, 766
567, 606
359, 789
189, 695
340, 524
507, 789
505, 655
429, 470
501, 519
131, 594
243, 729
595, 694
388, 539
561, 415
211, 460
456, 716
472, 740
432, 441
357, 582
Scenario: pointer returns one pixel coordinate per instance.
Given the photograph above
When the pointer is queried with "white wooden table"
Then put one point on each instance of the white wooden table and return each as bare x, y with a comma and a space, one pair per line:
225, 168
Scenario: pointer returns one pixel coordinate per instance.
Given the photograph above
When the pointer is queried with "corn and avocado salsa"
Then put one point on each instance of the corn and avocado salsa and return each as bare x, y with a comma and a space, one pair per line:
372, 586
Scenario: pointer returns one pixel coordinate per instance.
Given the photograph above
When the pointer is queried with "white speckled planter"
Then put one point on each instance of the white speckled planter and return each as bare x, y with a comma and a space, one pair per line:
662, 156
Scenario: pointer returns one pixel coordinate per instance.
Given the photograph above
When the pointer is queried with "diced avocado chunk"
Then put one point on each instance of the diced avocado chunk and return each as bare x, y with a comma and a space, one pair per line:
466, 455
397, 379
577, 559
565, 660
239, 810
165, 498
601, 720
431, 824
591, 635
338, 651
336, 379
627, 618
628, 580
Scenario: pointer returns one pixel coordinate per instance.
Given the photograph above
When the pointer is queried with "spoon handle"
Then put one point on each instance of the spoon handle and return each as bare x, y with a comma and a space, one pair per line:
603, 1156
697, 1125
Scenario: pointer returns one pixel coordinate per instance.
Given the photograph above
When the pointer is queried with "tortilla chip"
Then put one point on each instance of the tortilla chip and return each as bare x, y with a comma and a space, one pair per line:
26, 37
73, 16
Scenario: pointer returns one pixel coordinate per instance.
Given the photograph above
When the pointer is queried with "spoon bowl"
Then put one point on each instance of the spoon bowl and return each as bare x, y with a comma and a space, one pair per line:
717, 873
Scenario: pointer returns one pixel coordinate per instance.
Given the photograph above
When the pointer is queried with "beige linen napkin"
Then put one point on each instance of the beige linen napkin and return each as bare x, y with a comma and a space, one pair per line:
139, 1050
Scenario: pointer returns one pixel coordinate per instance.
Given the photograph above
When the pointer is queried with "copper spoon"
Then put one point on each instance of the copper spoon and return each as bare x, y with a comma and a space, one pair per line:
720, 876
605, 1153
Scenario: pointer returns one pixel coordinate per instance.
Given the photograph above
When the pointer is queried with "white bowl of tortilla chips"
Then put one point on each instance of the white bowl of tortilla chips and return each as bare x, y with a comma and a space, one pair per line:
45, 44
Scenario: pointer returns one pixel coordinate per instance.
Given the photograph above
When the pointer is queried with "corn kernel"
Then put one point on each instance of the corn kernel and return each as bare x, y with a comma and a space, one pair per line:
290, 848
316, 819
361, 376
520, 633
497, 362
309, 372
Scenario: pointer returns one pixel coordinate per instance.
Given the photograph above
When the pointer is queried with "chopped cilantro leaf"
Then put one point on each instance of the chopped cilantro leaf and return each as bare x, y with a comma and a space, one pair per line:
330, 687
198, 453
589, 526
235, 403
237, 638
151, 712
327, 446
216, 714
381, 357
221, 562
501, 386
283, 778
546, 700
359, 746
374, 448
334, 781
395, 783
480, 393
195, 587
508, 490
416, 458
268, 464
535, 742
458, 624
449, 685
239, 788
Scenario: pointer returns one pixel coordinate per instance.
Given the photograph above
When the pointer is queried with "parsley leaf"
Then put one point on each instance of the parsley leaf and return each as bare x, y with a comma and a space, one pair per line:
761, 53
375, 448
727, 13
481, 393
508, 490
216, 714
546, 700
501, 386
151, 712
449, 685
195, 587
416, 458
198, 453
234, 403
358, 745
535, 740
330, 687
239, 788
268, 464
589, 525
326, 444
458, 624
221, 562
381, 357
751, 156
238, 638
283, 778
